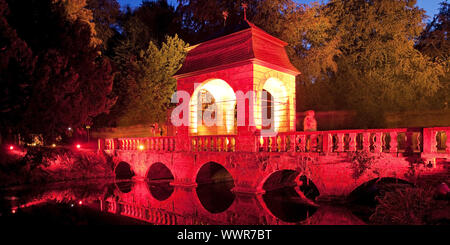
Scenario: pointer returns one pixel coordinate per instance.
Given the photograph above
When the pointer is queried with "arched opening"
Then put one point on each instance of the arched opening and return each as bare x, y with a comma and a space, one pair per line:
280, 179
363, 199
158, 181
212, 109
214, 184
288, 196
123, 171
274, 97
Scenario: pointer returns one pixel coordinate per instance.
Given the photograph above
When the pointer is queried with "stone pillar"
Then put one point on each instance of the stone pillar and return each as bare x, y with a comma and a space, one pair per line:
182, 141
246, 139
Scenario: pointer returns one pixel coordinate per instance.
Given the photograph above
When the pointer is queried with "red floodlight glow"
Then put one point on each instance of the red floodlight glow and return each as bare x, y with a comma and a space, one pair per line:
11, 147
78, 146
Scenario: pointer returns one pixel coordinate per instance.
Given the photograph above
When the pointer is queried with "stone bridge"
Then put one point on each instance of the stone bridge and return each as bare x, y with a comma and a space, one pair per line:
333, 162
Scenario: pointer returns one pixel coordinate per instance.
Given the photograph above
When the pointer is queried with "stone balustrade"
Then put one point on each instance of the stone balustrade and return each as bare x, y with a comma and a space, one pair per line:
337, 141
213, 143
398, 140
164, 144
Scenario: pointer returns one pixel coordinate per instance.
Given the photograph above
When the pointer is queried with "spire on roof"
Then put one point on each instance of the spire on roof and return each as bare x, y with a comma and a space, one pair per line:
245, 6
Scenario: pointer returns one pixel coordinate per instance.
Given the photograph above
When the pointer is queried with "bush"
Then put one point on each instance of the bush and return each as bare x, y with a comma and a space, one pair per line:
45, 165
406, 206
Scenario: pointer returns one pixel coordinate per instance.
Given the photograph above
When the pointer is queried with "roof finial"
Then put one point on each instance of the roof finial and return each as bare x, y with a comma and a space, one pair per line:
225, 16
245, 6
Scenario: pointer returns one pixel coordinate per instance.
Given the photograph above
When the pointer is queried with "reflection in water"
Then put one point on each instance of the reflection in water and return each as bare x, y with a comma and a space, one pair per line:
125, 186
158, 181
287, 205
115, 202
214, 187
160, 190
216, 197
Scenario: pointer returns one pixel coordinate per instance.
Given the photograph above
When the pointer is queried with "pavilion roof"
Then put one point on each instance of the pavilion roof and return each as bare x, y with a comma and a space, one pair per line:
250, 44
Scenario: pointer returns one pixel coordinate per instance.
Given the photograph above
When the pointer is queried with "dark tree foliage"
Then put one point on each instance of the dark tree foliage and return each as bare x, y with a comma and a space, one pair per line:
105, 15
148, 52
16, 68
71, 81
201, 19
434, 40
434, 43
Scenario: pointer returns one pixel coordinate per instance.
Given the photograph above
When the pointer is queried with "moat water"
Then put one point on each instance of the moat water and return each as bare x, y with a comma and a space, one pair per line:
157, 202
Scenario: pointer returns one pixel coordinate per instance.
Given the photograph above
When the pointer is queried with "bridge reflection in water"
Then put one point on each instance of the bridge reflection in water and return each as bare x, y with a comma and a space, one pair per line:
215, 204
209, 204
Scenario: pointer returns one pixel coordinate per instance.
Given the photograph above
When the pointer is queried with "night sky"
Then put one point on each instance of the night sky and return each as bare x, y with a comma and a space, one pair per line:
431, 6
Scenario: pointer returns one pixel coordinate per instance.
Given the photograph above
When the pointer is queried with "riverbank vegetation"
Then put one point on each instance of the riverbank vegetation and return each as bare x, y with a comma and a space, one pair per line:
40, 165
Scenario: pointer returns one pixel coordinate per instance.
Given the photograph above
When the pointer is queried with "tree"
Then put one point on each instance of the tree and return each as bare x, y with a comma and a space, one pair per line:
434, 43
16, 68
105, 15
434, 40
147, 54
72, 82
379, 70
312, 47
201, 19
153, 85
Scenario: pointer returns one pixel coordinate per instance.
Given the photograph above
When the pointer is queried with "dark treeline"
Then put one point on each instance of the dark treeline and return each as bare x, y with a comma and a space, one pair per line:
72, 63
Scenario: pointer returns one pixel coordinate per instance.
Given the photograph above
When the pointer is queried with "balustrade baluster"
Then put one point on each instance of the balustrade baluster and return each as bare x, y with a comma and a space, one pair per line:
266, 144
419, 142
447, 142
196, 143
273, 147
213, 143
352, 142
393, 144
433, 141
313, 142
366, 141
222, 144
284, 143
378, 142
328, 142
292, 141
340, 142
279, 143
409, 142
302, 144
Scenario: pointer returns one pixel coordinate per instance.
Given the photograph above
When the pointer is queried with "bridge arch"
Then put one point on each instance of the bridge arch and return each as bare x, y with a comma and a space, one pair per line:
284, 196
212, 173
214, 185
219, 94
290, 178
158, 179
366, 192
123, 170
